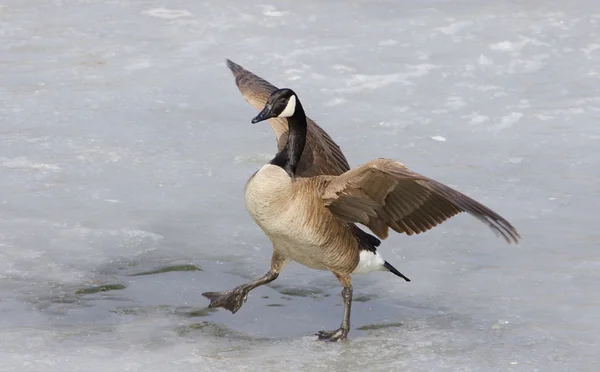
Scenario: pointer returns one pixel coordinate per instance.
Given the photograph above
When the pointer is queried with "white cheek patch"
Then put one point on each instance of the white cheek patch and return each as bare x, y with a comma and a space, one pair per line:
290, 108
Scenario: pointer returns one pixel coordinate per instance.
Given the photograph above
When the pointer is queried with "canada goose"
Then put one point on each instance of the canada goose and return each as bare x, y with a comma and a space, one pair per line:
311, 220
321, 155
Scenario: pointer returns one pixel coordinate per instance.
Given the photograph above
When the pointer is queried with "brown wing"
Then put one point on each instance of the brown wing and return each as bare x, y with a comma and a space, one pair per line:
383, 193
321, 155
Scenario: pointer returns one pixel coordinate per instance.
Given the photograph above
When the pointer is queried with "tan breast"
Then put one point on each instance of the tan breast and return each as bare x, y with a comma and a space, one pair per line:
267, 195
292, 215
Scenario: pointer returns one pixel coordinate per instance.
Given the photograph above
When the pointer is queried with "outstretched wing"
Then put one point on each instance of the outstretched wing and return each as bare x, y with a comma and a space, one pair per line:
321, 155
383, 193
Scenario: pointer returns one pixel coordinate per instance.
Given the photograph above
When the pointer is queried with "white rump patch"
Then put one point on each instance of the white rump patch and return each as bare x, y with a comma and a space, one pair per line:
290, 108
369, 262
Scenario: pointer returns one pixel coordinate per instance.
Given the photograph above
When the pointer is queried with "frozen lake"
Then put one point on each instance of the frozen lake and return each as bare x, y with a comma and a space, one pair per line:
125, 146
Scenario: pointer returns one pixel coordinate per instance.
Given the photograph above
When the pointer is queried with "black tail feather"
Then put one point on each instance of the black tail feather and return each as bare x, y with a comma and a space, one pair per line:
366, 241
391, 268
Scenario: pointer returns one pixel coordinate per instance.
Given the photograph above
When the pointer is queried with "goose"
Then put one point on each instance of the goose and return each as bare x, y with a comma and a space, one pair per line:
321, 155
312, 220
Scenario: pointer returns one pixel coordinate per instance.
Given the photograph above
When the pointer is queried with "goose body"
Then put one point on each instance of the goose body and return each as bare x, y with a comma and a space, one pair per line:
271, 200
291, 212
311, 218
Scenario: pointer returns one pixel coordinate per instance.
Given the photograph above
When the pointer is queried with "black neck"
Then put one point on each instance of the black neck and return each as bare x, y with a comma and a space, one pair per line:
289, 156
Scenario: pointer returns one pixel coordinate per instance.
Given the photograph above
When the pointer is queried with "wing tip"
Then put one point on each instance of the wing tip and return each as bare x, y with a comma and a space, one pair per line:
513, 236
503, 228
464, 203
234, 67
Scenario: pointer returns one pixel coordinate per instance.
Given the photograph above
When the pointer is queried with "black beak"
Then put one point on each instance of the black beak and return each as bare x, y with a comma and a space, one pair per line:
263, 115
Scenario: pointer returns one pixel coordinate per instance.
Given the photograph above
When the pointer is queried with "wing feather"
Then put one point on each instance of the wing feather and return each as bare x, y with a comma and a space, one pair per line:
384, 194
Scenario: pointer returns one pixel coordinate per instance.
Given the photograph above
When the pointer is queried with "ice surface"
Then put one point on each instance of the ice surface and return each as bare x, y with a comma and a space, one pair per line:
125, 147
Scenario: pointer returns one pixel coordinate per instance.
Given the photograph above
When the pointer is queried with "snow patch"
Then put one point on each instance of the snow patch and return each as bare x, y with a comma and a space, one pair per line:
361, 82
485, 61
271, 11
335, 101
479, 119
388, 42
455, 102
165, 13
453, 28
24, 163
139, 65
258, 158
514, 160
342, 68
589, 49
508, 46
507, 121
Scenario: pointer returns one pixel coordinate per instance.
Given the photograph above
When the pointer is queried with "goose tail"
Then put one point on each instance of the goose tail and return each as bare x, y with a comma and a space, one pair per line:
394, 271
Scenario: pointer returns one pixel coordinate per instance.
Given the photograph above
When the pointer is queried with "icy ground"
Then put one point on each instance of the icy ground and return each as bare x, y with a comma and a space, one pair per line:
125, 147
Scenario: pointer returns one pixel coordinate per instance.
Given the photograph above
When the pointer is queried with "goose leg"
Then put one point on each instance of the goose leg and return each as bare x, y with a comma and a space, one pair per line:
342, 332
233, 299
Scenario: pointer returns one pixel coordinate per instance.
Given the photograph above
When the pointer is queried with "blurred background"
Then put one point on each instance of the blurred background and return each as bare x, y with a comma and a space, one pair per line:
125, 147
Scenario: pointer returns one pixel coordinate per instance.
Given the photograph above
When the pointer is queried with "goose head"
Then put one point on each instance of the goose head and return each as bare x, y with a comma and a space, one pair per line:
281, 104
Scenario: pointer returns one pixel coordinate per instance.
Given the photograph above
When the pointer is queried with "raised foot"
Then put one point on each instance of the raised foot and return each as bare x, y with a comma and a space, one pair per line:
338, 334
231, 300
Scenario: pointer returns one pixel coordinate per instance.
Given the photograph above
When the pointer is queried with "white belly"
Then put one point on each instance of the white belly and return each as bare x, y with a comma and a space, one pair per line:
270, 200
